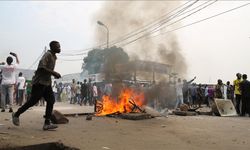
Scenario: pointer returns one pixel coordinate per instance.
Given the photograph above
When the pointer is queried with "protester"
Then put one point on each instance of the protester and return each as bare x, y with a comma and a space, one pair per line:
200, 94
219, 90
193, 94
179, 93
185, 90
245, 95
78, 92
59, 91
28, 90
73, 92
84, 91
68, 92
41, 86
8, 81
54, 88
237, 92
95, 95
230, 91
90, 93
21, 89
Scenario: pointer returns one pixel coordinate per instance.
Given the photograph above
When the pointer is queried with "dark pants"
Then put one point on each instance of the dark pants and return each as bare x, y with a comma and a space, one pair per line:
185, 97
39, 91
245, 105
20, 97
237, 101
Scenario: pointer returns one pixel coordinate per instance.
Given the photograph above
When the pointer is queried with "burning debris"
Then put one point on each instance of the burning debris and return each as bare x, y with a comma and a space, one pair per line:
127, 102
128, 105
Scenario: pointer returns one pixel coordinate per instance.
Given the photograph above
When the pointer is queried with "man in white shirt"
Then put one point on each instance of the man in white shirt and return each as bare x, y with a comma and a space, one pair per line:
21, 88
8, 81
179, 93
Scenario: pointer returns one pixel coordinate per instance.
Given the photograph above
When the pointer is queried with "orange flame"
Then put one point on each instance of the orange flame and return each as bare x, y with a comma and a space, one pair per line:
122, 105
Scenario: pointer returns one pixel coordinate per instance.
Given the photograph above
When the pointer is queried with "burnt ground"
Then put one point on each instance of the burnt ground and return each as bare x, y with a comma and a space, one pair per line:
100, 133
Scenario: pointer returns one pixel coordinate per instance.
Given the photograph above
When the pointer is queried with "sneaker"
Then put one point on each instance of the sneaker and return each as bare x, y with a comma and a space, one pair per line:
49, 126
3, 110
15, 120
10, 110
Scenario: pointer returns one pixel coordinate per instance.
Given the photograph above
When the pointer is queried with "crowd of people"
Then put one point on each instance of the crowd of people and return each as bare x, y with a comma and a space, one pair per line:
195, 95
82, 93
27, 94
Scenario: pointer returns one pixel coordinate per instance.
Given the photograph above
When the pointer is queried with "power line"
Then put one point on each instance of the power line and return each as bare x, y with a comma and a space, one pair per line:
162, 25
216, 15
38, 58
153, 22
72, 54
155, 30
61, 59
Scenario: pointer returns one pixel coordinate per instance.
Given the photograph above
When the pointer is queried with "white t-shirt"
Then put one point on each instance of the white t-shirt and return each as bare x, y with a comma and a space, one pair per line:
54, 88
9, 74
21, 82
179, 87
95, 92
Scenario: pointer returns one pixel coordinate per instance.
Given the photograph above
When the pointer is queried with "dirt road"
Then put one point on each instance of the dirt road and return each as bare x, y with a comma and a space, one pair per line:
100, 133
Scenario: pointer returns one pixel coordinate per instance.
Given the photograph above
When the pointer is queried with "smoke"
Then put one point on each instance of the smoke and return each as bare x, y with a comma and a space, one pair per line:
123, 17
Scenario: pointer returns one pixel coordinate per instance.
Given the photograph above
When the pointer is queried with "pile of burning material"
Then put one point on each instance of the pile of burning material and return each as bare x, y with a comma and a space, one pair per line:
128, 105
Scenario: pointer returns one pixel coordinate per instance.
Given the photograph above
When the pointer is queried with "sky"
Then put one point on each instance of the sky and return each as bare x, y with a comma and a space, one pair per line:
214, 49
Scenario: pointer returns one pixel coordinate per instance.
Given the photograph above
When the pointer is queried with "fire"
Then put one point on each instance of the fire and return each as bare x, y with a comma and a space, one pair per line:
124, 104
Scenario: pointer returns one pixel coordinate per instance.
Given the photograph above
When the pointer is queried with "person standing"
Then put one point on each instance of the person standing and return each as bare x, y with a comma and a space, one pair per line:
237, 92
73, 92
90, 93
185, 90
41, 86
219, 89
199, 95
245, 95
78, 92
54, 88
8, 81
84, 92
230, 92
21, 88
179, 93
95, 95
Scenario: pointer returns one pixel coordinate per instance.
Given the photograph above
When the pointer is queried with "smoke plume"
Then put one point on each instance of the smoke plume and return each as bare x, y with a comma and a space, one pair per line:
123, 17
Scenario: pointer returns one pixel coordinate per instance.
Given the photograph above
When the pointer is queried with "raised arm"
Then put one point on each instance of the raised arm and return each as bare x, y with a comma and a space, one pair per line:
15, 55
191, 80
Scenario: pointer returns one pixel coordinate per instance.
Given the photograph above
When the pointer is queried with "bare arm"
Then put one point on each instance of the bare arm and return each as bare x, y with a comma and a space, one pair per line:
55, 74
15, 55
191, 80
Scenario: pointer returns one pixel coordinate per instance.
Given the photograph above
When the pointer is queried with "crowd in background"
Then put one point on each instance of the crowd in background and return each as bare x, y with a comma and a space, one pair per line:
195, 95
17, 91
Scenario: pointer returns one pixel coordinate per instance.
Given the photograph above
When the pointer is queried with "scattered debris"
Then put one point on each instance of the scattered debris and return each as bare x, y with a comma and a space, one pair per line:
163, 126
58, 118
47, 146
4, 133
222, 107
77, 114
184, 113
105, 147
89, 117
